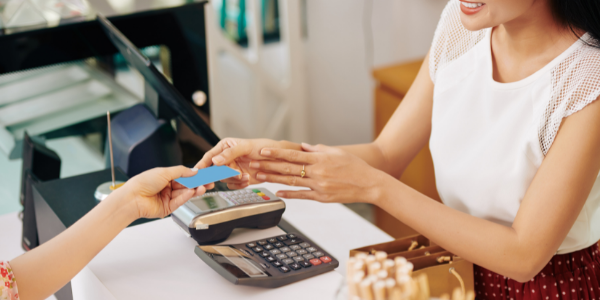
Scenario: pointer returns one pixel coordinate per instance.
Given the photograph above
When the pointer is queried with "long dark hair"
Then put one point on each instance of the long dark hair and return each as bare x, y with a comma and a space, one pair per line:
579, 15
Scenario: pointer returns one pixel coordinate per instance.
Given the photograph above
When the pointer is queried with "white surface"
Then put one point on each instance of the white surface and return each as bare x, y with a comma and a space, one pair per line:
87, 286
156, 260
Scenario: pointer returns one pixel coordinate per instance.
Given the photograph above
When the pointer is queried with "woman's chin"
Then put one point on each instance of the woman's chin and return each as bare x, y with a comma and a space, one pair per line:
474, 23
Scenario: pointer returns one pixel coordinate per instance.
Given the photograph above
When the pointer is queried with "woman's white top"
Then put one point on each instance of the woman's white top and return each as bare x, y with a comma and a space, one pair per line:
488, 139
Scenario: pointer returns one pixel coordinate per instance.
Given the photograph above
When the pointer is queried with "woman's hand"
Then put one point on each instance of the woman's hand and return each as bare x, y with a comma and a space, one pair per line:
154, 194
332, 174
237, 154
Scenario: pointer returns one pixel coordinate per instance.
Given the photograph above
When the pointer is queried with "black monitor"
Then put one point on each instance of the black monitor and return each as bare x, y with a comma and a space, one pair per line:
157, 81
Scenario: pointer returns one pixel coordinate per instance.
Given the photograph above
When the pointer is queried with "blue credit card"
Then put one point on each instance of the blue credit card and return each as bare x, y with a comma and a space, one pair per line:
207, 175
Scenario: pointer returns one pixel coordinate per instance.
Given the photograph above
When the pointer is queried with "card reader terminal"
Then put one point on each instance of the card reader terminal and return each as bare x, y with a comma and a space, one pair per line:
211, 218
270, 262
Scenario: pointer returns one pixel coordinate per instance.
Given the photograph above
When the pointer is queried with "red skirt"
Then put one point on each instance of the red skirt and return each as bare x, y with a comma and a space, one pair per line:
567, 276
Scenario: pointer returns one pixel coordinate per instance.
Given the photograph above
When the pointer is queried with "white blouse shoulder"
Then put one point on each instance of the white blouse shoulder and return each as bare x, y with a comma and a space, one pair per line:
488, 139
575, 80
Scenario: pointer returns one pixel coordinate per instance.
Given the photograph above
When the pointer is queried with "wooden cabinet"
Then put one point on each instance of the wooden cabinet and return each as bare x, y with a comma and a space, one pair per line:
392, 84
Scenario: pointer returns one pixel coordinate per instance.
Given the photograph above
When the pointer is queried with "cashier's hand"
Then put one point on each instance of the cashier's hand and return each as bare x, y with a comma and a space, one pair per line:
154, 194
332, 174
237, 154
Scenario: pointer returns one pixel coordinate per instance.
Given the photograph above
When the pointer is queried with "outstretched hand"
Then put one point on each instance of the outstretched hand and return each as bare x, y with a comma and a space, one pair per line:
332, 174
155, 194
237, 154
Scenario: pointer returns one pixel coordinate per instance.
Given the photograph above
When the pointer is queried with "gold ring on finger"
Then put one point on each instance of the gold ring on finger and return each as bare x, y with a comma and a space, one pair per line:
302, 173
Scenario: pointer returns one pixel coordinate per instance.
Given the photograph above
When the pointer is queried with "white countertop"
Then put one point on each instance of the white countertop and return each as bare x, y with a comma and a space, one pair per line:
156, 260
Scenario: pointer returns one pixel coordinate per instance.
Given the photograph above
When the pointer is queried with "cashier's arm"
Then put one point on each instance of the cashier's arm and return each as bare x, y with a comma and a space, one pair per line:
548, 211
44, 270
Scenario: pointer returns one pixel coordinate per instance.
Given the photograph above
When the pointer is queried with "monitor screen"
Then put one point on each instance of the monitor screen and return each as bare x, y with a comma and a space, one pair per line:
158, 82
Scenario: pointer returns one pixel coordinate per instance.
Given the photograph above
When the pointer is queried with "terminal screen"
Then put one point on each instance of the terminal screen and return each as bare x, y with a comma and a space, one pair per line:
234, 261
209, 203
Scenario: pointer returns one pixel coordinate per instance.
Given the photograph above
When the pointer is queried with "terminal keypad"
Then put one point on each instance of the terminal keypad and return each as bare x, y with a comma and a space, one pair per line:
289, 253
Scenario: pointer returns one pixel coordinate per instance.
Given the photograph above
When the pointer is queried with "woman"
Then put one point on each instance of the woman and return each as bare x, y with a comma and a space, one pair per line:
505, 98
42, 271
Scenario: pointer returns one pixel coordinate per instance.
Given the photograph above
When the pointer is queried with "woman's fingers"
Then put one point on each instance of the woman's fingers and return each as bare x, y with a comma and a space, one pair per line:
309, 195
234, 151
280, 167
284, 179
206, 160
179, 197
238, 186
236, 179
177, 186
172, 173
187, 193
294, 156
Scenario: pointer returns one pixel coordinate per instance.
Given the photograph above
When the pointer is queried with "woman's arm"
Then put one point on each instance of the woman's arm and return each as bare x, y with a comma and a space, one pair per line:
405, 133
548, 211
402, 138
45, 269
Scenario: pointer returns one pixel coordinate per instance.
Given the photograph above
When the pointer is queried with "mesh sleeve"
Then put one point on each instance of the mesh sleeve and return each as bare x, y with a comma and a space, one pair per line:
451, 39
575, 84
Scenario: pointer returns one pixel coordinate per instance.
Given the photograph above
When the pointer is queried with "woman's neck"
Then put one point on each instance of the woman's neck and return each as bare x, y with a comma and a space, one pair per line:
526, 44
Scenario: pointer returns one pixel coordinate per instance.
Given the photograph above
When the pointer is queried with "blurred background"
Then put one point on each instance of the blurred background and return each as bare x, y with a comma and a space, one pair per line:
315, 71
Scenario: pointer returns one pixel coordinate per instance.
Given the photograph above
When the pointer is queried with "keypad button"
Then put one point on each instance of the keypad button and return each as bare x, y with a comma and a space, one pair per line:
266, 198
308, 256
325, 259
315, 261
291, 254
278, 244
251, 245
257, 249
292, 236
262, 242
318, 254
275, 251
276, 264
282, 256
304, 245
288, 261
268, 247
260, 194
284, 269
311, 249
293, 241
295, 266
256, 191
265, 266
298, 258
285, 249
301, 251
246, 252
265, 254
282, 238
270, 259
273, 240
294, 247
305, 264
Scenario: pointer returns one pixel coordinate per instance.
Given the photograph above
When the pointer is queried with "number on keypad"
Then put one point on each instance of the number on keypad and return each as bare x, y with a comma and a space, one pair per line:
287, 253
